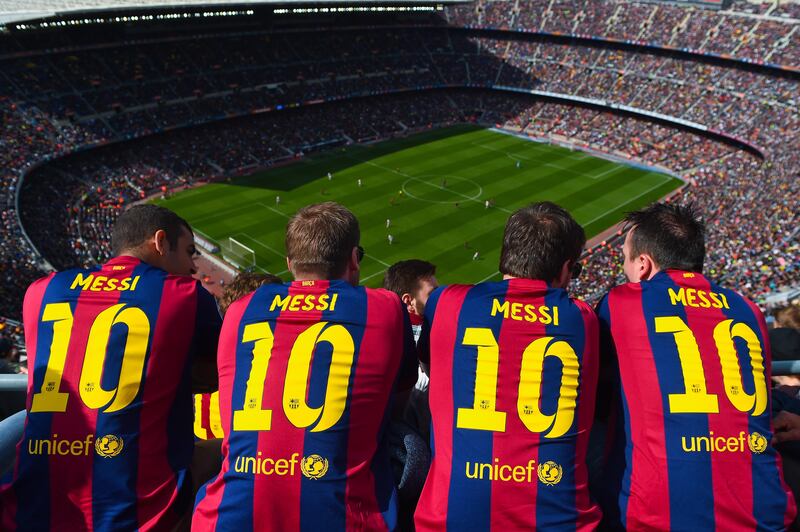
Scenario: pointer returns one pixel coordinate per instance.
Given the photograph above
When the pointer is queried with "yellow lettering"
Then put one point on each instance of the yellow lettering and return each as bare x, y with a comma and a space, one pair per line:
691, 296
674, 298
704, 302
294, 306
135, 280
309, 302
545, 315
498, 307
322, 302
519, 473
717, 301
733, 444
530, 314
515, 310
282, 302
333, 301
76, 448
504, 478
98, 282
83, 282
111, 285
125, 284
281, 467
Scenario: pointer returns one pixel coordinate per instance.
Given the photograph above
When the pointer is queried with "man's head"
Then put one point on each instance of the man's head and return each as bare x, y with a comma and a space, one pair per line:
541, 241
243, 284
413, 280
157, 236
322, 243
661, 237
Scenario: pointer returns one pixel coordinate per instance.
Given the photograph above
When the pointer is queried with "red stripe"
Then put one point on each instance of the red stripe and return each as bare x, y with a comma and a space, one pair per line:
206, 514
513, 504
74, 475
174, 331
791, 504
640, 383
31, 310
283, 437
731, 473
205, 415
588, 512
379, 359
431, 511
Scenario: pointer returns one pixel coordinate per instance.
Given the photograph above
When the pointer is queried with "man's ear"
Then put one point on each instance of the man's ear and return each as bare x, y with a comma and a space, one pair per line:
647, 267
564, 275
160, 242
408, 301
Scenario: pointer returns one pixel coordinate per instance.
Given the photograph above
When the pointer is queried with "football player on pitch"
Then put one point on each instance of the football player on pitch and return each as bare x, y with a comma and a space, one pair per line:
310, 373
690, 365
513, 367
115, 352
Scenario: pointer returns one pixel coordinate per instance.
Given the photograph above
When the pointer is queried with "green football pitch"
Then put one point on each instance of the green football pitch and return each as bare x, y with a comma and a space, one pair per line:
433, 188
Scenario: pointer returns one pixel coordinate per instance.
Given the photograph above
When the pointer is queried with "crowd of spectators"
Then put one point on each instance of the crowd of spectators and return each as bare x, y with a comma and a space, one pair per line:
753, 31
57, 102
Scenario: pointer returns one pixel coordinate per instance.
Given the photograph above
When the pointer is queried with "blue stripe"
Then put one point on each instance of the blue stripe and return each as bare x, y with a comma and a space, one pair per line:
114, 497
322, 500
32, 487
556, 505
690, 509
236, 507
469, 500
769, 498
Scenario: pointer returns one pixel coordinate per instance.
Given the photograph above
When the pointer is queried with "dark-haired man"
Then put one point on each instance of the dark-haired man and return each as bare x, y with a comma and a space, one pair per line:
513, 367
690, 365
309, 374
114, 352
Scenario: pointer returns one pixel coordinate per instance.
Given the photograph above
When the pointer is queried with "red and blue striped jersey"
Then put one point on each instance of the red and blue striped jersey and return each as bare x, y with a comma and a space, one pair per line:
513, 370
691, 449
108, 437
207, 421
307, 370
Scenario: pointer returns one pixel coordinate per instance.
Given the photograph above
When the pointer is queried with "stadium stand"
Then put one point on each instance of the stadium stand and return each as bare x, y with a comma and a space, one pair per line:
131, 115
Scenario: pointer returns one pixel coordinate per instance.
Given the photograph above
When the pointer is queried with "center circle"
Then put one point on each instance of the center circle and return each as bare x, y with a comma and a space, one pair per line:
436, 188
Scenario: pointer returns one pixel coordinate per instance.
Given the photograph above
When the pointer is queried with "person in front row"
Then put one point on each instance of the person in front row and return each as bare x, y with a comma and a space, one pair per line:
513, 367
688, 364
114, 354
310, 374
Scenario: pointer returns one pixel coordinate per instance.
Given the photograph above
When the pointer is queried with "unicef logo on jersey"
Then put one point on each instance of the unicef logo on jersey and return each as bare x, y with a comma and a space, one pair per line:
109, 445
314, 466
757, 443
549, 473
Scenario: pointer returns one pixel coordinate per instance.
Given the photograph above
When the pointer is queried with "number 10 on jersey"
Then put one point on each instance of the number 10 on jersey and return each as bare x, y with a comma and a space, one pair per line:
484, 414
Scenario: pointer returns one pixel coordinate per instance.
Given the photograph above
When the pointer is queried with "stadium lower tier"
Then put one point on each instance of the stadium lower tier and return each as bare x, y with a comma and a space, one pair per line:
69, 205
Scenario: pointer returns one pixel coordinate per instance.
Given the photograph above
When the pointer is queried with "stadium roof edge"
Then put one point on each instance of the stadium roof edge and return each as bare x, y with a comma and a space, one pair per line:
16, 11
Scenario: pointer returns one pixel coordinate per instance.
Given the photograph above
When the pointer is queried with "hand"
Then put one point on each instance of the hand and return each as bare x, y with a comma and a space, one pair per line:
786, 427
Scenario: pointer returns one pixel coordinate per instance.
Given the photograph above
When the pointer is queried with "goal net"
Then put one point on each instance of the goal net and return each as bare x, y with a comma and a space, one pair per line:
238, 254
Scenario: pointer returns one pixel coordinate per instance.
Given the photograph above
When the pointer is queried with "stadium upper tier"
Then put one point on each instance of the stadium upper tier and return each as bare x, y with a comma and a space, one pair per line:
58, 101
763, 32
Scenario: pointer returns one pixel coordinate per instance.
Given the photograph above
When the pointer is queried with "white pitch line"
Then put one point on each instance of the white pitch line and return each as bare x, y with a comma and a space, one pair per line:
488, 277
370, 276
615, 168
629, 201
260, 243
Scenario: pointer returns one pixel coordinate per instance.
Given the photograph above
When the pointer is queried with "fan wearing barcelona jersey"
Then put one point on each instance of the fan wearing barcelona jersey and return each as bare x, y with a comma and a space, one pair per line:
114, 353
310, 374
690, 363
513, 368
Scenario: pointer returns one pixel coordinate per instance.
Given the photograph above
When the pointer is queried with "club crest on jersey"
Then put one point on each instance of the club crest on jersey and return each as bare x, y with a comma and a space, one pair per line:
108, 445
757, 443
549, 473
314, 466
